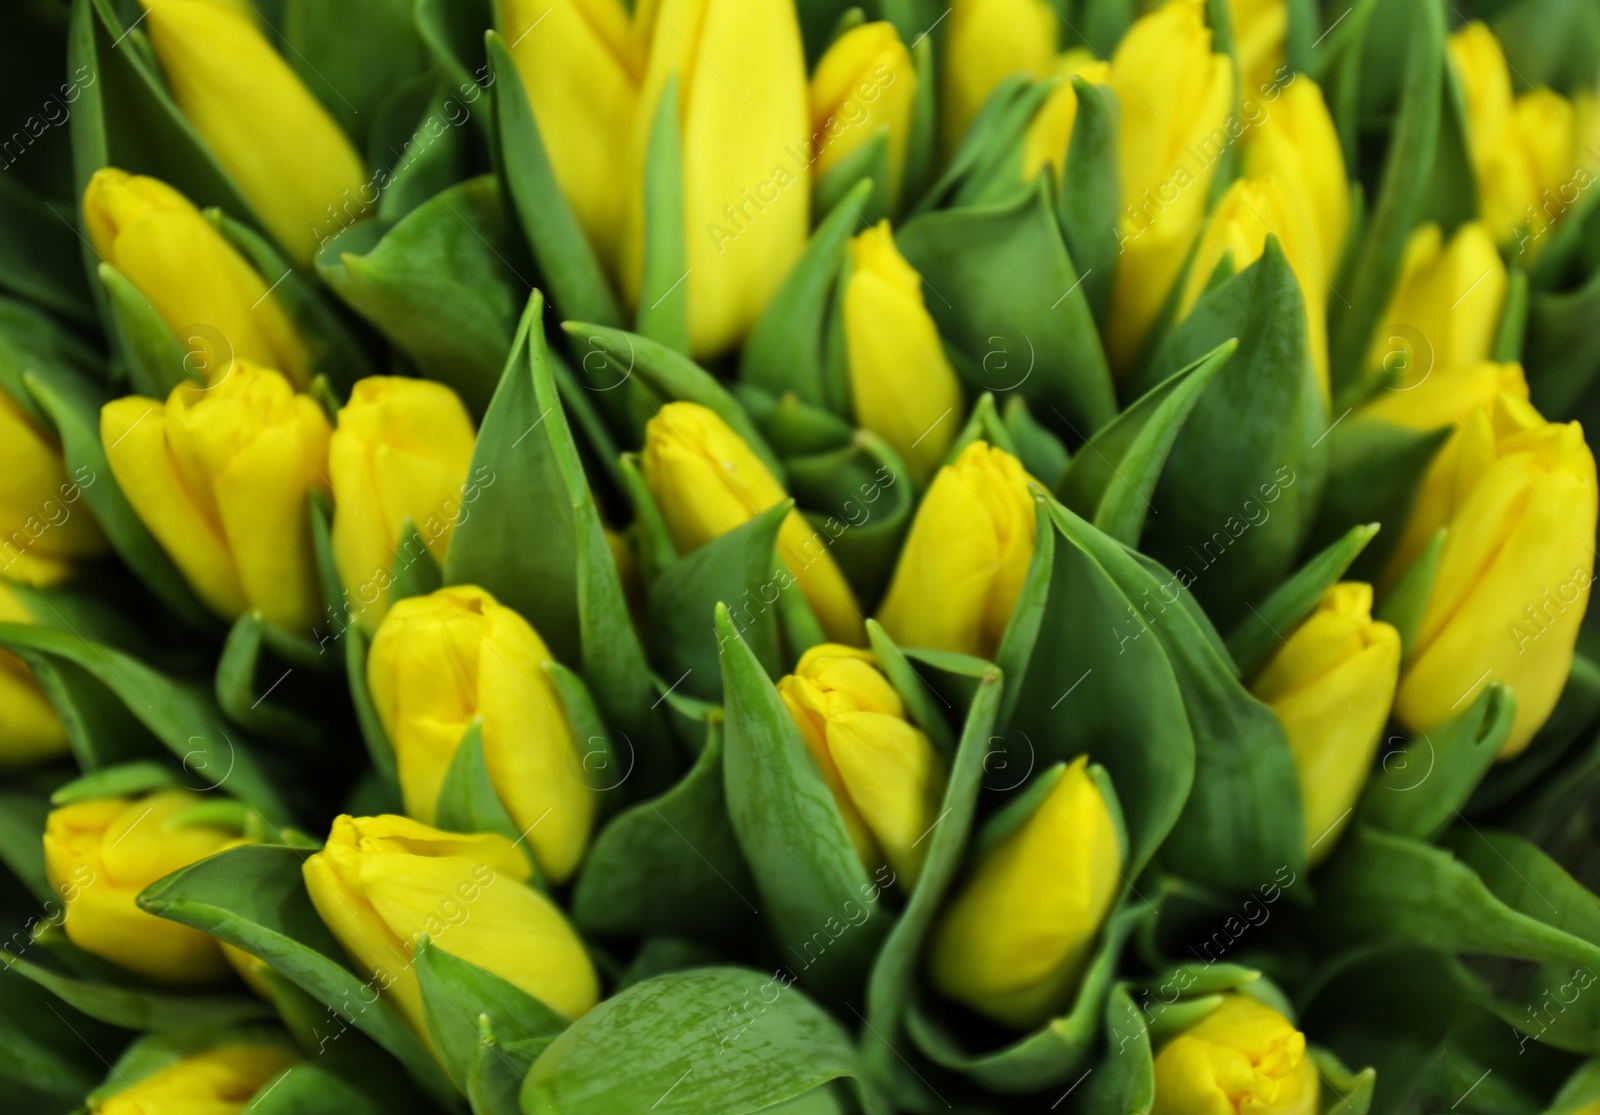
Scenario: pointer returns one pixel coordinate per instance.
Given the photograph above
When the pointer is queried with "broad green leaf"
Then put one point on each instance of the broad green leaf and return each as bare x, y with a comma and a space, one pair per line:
1562, 353
860, 499
238, 672
663, 288
1575, 713
452, 31
467, 799
369, 45
1090, 202
494, 1080
1027, 615
340, 1082
1039, 450
138, 777
1403, 605
1127, 1083
868, 164
49, 1048
156, 358
1375, 470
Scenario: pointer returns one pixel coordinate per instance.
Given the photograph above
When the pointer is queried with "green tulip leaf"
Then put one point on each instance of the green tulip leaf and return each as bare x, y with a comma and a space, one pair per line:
990, 158
1027, 615
43, 260
379, 749
1343, 1092
1404, 604
983, 424
1576, 711
1513, 331
22, 818
50, 1054
1581, 1089
652, 540
843, 492
1451, 196
869, 164
254, 898
156, 359
31, 341
1039, 450
916, 691
1375, 471
1126, 1084
1562, 355
341, 1082
922, 141
152, 1053
252, 643
418, 148
793, 427
452, 32
124, 779
1090, 202
1111, 479
752, 1058
467, 799
494, 1078
663, 288
371, 45
602, 764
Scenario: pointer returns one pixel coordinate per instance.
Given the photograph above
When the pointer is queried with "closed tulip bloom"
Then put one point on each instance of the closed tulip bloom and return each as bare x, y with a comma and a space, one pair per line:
100, 854
381, 883
401, 451
1446, 306
1242, 1057
581, 62
219, 1081
1447, 397
1174, 95
1260, 29
278, 144
901, 385
883, 773
1049, 133
966, 556
865, 84
442, 660
1014, 942
191, 276
988, 41
707, 481
30, 730
1298, 145
45, 528
220, 477
1514, 575
746, 116
1331, 685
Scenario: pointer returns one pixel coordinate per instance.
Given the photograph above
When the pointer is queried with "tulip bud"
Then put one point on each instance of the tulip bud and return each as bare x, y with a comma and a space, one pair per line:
707, 481
44, 530
442, 660
987, 42
190, 275
278, 144
1514, 574
1260, 29
219, 1081
902, 386
401, 451
100, 854
1331, 685
220, 476
30, 730
1049, 133
1014, 942
742, 99
1243, 1056
381, 883
884, 774
581, 62
1446, 397
1174, 95
864, 84
1298, 145
1446, 304
966, 557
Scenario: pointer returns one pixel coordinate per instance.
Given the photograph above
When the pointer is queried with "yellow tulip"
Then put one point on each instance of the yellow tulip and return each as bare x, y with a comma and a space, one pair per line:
1298, 145
1049, 133
1260, 29
1447, 397
1243, 1056
220, 476
439, 661
902, 386
192, 277
30, 730
866, 83
883, 773
401, 450
44, 528
100, 854
707, 481
1445, 309
1251, 210
966, 557
988, 41
1514, 575
1015, 940
381, 883
1174, 95
581, 62
1332, 684
218, 1081
746, 123
278, 144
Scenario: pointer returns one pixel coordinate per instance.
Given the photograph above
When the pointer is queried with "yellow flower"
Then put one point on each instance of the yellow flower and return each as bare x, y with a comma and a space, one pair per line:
1331, 685
987, 42
380, 883
1238, 228
1447, 397
743, 102
218, 1081
401, 450
1514, 575
707, 481
1242, 1057
1297, 144
581, 62
1049, 133
864, 84
45, 528
191, 276
278, 144
100, 854
439, 661
30, 730
884, 774
1014, 942
901, 384
966, 557
1260, 28
1173, 94
220, 477
1446, 305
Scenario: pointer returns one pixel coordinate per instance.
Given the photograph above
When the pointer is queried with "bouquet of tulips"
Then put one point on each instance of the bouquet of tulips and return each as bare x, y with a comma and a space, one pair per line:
814, 557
